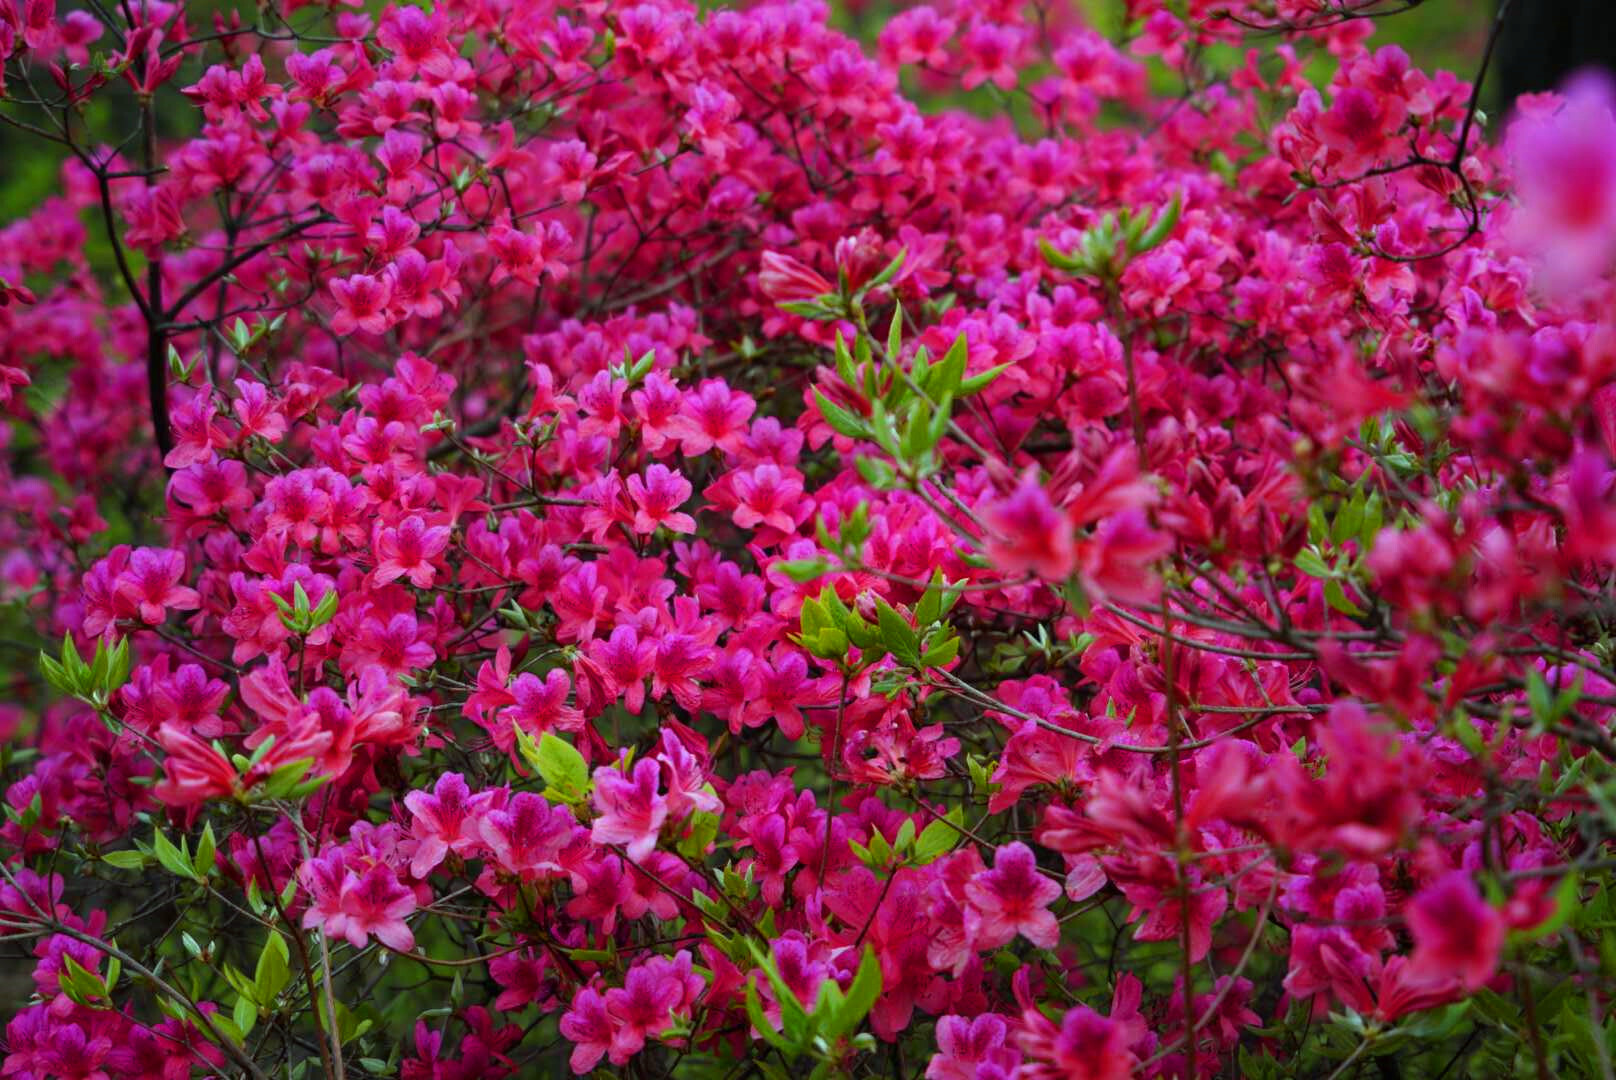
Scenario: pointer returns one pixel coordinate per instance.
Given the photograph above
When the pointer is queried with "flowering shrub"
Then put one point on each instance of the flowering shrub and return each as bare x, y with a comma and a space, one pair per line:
606, 535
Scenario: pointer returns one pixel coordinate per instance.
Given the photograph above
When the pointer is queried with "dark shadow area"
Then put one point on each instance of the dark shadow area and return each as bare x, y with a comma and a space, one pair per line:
1544, 41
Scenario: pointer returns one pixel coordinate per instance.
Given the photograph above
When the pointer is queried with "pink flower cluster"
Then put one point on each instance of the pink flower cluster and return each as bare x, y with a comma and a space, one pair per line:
632, 537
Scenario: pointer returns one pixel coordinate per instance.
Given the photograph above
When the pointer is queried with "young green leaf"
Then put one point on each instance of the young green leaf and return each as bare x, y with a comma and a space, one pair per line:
977, 383
861, 996
840, 420
897, 635
562, 766
938, 838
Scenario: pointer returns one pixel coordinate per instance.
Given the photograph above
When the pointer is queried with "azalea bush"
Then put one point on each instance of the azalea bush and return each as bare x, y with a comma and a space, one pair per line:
666, 541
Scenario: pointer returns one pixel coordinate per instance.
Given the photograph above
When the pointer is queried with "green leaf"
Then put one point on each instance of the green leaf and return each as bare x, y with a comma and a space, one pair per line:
897, 635
562, 766
794, 1022
72, 662
1072, 264
273, 972
922, 372
895, 333
100, 666
1336, 596
830, 644
938, 838
760, 1021
1312, 564
699, 835
950, 370
238, 982
223, 1023
205, 848
1318, 527
56, 676
930, 606
821, 308
861, 996
859, 632
1162, 227
324, 611
844, 362
880, 851
827, 1003
348, 1026
280, 783
802, 571
888, 272
173, 859
981, 382
124, 860
1075, 595
83, 986
884, 429
245, 1015
121, 663
840, 420
812, 618
943, 653
837, 613
906, 835
1369, 528
875, 472
1538, 696
1348, 520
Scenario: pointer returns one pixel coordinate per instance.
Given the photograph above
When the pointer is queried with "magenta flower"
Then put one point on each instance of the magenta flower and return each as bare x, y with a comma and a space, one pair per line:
1457, 934
631, 810
965, 1044
640, 1009
524, 979
375, 904
409, 551
150, 584
990, 56
212, 488
1030, 535
444, 821
1013, 898
624, 661
599, 891
527, 836
196, 435
657, 498
537, 705
589, 1028
362, 304
1565, 180
785, 279
713, 415
398, 645
917, 36
766, 495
